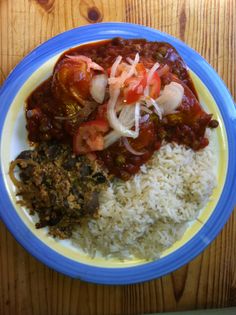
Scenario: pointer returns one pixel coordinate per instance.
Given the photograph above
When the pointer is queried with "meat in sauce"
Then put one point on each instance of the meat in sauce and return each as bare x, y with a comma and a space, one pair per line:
62, 107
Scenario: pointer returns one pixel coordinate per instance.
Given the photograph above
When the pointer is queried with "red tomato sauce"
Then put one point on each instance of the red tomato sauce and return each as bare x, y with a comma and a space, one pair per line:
55, 115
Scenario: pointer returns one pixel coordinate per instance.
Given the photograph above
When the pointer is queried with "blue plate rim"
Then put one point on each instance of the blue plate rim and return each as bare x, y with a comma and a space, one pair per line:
227, 200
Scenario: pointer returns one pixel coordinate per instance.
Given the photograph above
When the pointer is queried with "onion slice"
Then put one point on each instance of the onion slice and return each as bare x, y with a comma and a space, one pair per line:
127, 116
116, 123
137, 117
128, 71
114, 66
151, 102
129, 60
90, 63
149, 78
145, 109
111, 138
98, 86
152, 71
163, 70
130, 148
170, 98
133, 66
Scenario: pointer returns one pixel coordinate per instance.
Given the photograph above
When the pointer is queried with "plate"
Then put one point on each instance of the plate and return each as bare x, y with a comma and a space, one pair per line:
61, 255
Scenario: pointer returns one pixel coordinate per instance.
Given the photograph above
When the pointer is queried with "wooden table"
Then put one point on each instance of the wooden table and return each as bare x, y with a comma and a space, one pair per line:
27, 286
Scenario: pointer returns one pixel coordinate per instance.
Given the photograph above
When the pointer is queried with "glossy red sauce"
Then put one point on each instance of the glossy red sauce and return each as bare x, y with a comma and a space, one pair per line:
187, 126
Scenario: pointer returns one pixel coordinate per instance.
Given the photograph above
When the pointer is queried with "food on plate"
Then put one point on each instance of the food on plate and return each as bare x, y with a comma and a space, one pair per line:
128, 111
57, 185
150, 212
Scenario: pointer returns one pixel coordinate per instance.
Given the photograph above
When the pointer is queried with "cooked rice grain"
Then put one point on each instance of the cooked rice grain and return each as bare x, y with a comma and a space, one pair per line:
150, 212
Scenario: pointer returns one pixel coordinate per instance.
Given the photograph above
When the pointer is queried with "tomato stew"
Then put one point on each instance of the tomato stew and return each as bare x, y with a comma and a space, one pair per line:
53, 113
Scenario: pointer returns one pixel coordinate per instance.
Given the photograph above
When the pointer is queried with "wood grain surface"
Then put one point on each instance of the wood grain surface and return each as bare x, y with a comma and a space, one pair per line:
27, 286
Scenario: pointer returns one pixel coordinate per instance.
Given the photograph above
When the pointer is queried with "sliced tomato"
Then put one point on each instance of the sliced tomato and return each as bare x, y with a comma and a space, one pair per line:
155, 86
134, 86
89, 136
133, 91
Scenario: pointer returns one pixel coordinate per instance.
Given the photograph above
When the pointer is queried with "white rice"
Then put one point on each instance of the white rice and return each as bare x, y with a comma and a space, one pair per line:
150, 212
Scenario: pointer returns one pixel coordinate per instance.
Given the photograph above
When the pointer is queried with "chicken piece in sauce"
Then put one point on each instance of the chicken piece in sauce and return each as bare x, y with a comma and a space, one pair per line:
64, 109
